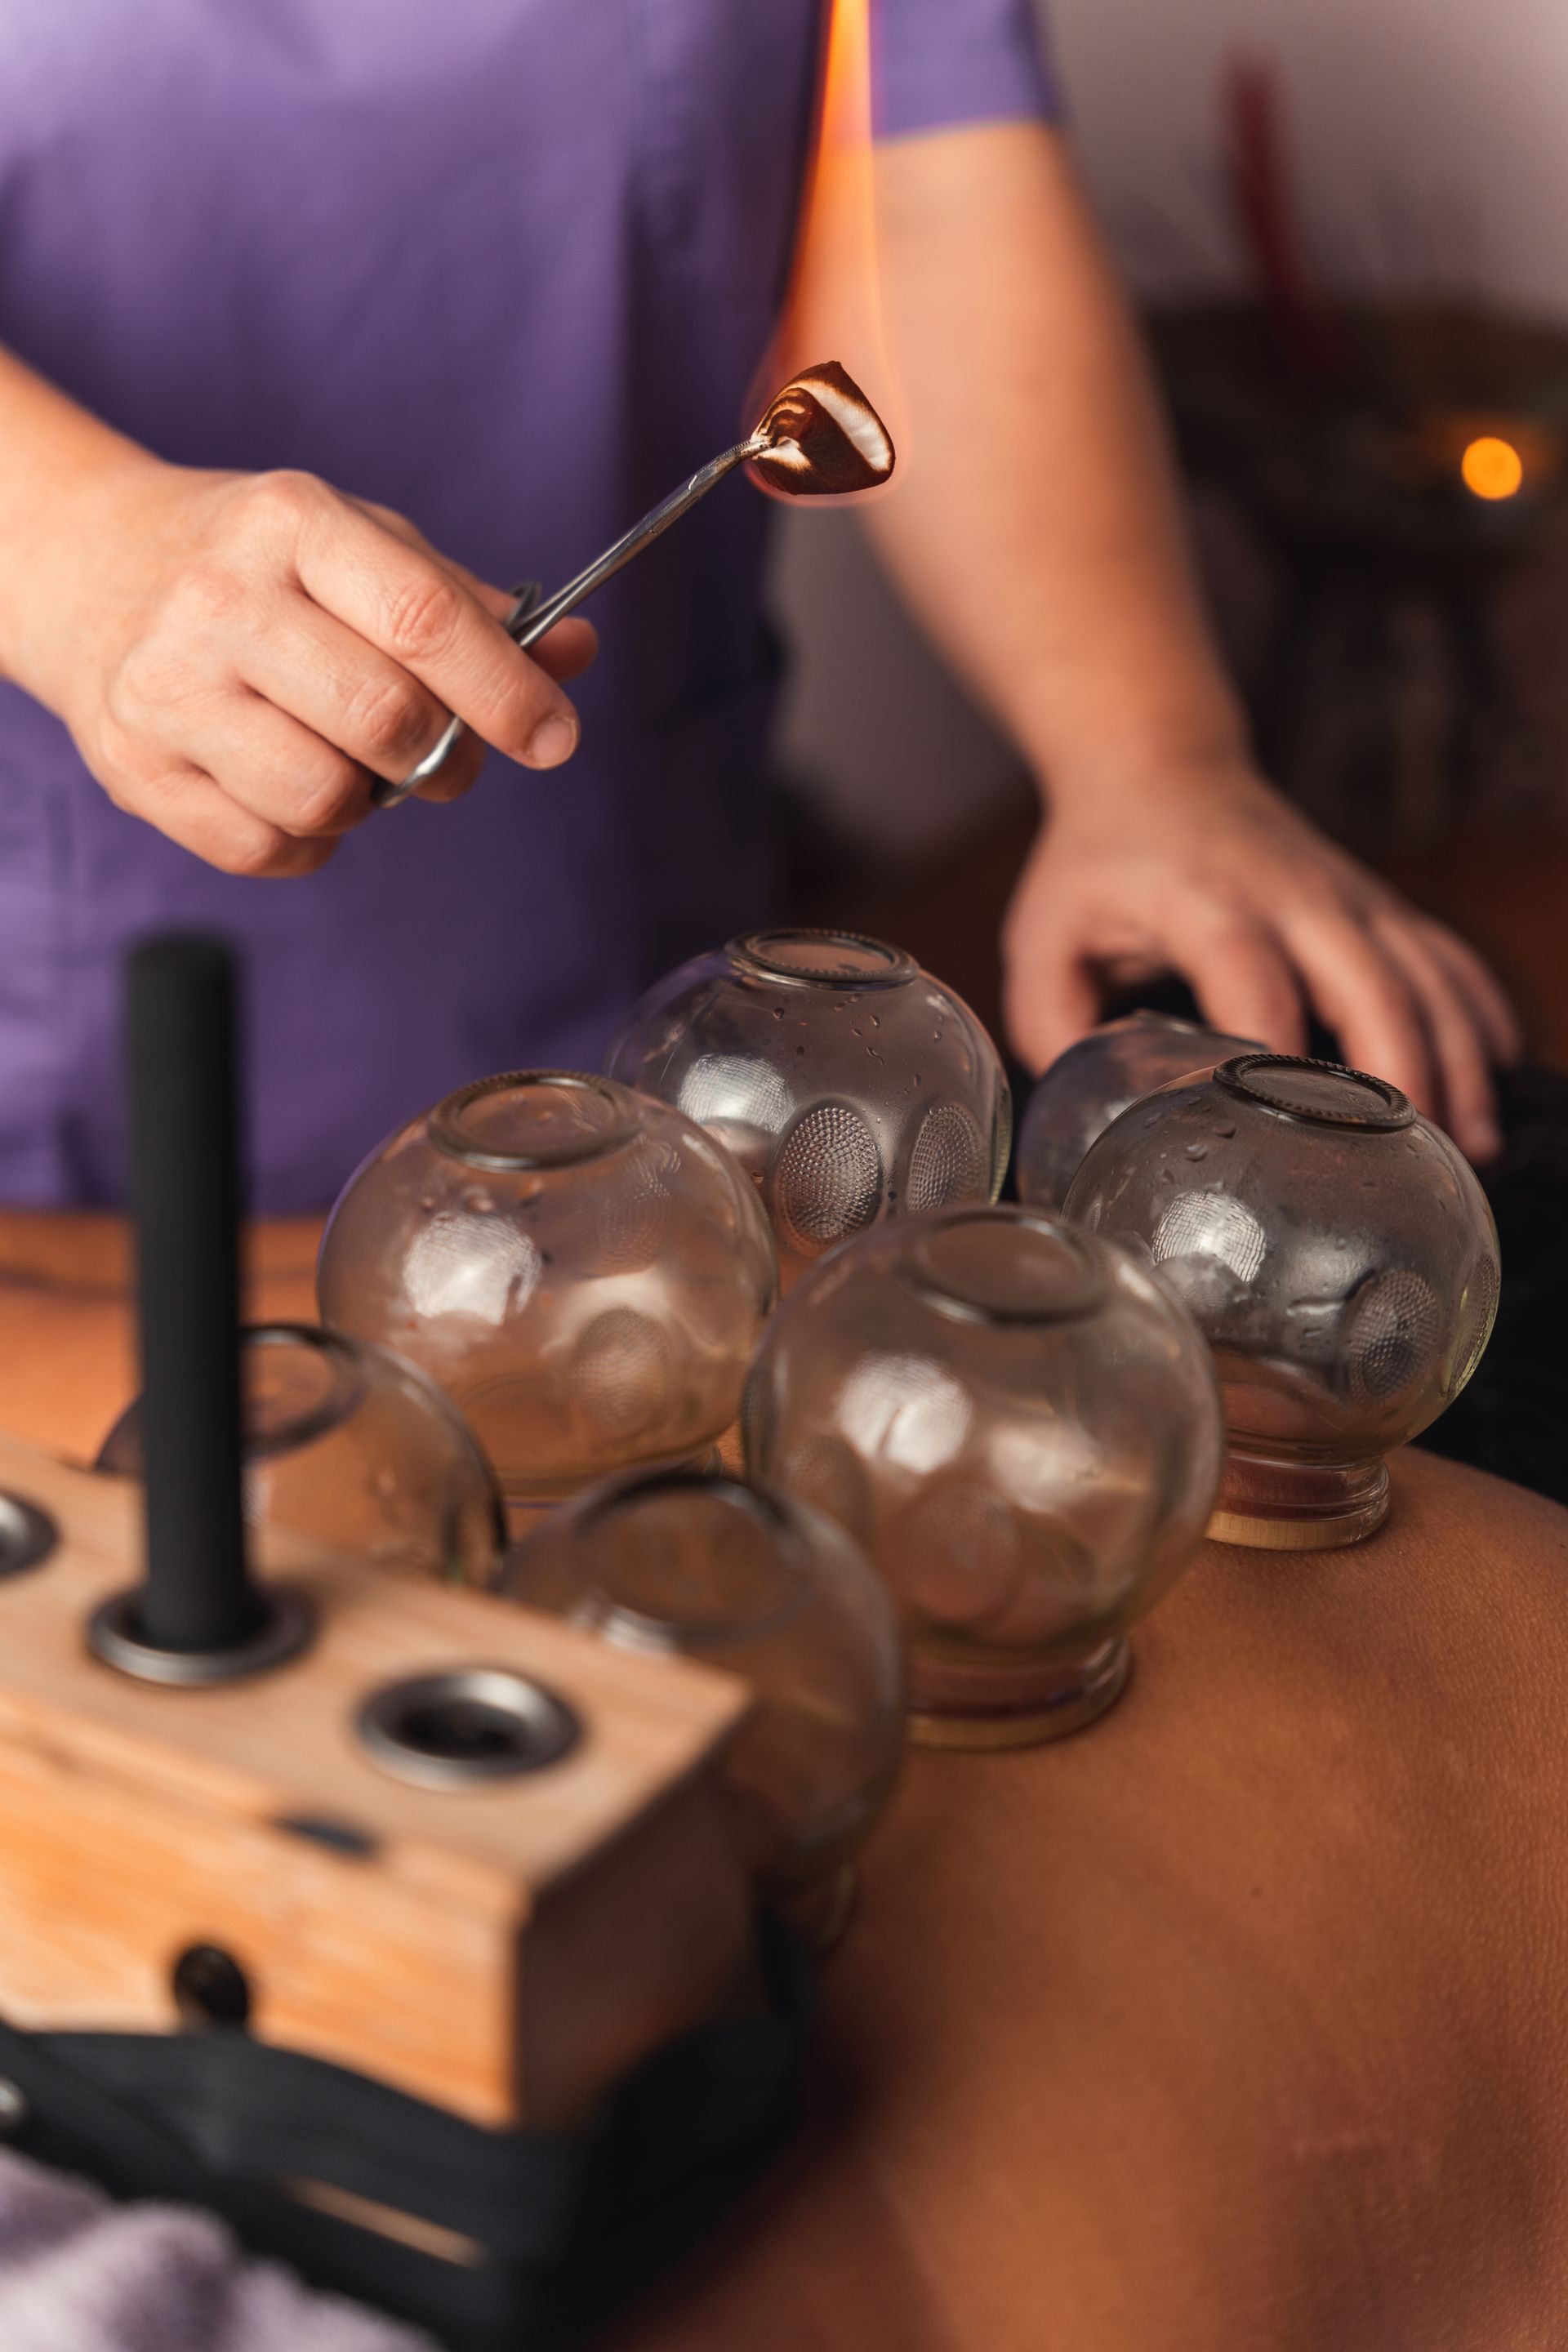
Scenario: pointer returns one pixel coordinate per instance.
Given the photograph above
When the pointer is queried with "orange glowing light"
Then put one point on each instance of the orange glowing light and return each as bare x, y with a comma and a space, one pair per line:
833, 308
1492, 468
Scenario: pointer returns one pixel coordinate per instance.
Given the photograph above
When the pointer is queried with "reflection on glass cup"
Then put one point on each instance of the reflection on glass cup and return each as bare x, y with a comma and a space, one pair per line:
851, 1085
583, 1270
1094, 1082
1022, 1430
771, 1590
350, 1446
1337, 1255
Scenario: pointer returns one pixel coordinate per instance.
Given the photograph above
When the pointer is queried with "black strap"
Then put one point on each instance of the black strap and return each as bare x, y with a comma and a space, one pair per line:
571, 2226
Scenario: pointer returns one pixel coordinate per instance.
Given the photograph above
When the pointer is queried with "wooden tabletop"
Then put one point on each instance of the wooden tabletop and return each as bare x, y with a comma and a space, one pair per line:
67, 1341
1235, 2024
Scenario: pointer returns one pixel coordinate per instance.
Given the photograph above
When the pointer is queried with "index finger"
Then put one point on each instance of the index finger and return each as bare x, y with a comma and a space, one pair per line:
1240, 976
1051, 1002
413, 608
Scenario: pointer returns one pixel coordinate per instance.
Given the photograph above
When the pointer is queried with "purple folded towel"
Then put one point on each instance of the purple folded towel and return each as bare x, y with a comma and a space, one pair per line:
78, 2274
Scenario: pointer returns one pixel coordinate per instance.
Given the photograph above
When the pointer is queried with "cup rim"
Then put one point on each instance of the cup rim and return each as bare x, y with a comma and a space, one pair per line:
447, 1133
750, 952
646, 1626
1247, 1075
342, 1400
1083, 1290
119, 1454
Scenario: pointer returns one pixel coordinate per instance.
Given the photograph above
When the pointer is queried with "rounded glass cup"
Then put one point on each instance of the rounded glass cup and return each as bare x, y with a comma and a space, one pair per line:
1094, 1082
1022, 1430
348, 1446
1338, 1256
850, 1085
771, 1590
582, 1269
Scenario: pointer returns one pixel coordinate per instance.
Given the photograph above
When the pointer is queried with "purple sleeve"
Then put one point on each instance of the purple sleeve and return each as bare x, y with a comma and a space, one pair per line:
945, 61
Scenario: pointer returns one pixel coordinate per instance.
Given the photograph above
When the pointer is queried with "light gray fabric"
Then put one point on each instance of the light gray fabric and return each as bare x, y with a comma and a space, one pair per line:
78, 2274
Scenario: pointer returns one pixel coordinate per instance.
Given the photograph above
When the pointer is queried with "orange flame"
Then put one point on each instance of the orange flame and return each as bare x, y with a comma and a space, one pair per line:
833, 308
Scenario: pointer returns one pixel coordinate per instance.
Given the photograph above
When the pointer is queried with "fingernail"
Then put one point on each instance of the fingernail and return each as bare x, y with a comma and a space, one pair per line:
553, 740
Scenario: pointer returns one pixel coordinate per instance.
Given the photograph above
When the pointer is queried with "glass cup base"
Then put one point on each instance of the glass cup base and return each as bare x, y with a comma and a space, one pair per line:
1273, 1505
956, 1704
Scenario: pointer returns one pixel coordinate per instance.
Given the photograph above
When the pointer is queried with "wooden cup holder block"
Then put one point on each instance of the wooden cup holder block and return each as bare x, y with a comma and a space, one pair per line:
506, 1949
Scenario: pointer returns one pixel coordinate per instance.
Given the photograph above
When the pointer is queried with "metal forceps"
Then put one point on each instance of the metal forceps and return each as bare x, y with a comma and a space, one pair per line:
530, 619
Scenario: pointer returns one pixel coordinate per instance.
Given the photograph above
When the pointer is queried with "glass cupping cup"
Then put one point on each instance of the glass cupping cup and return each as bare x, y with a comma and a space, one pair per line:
1094, 1082
772, 1590
1021, 1427
1337, 1254
583, 1270
850, 1085
350, 1445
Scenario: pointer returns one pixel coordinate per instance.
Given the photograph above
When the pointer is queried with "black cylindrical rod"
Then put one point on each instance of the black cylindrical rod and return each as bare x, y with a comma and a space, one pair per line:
184, 1189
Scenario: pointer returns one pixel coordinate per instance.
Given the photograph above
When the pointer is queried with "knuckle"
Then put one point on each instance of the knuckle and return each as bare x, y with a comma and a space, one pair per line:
422, 617
1395, 999
1439, 995
209, 596
283, 497
120, 786
253, 854
387, 715
134, 774
155, 674
126, 764
322, 802
1223, 944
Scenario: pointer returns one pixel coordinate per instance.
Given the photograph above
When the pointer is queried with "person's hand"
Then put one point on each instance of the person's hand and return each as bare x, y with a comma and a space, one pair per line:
238, 656
1217, 877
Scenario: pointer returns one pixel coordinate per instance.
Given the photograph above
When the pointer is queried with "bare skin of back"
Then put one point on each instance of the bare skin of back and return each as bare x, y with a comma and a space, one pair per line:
1234, 2024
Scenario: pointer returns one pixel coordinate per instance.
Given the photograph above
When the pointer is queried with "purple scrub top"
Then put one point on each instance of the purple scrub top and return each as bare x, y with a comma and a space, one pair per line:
507, 265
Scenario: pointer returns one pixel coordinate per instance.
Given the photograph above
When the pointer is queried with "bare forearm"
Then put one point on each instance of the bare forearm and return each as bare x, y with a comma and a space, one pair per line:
1036, 531
55, 460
